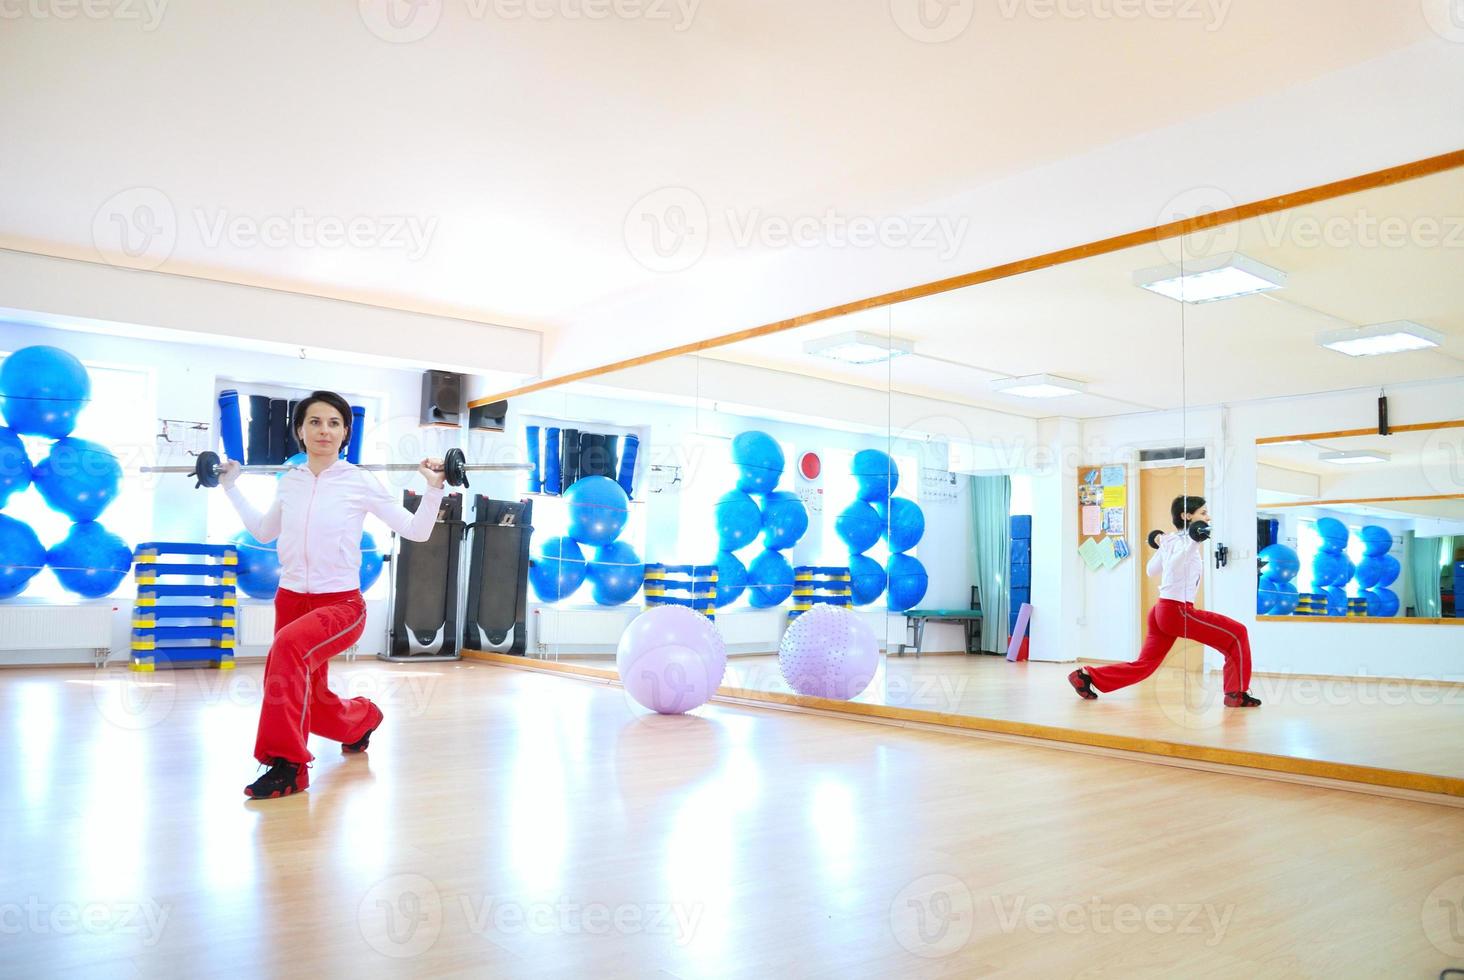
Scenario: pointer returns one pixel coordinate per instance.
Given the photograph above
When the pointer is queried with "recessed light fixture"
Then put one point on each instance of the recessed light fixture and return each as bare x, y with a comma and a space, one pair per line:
1393, 337
859, 347
1354, 457
1208, 280
1038, 386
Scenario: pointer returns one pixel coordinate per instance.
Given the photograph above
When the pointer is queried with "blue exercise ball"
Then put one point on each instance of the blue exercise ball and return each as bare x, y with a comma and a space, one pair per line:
903, 523
1381, 602
79, 478
42, 390
738, 520
731, 578
1275, 598
858, 526
598, 509
1333, 534
371, 563
1279, 562
258, 571
1336, 601
1286, 598
759, 461
1376, 541
1370, 572
616, 574
90, 561
784, 520
299, 459
876, 475
15, 465
866, 579
1331, 568
907, 583
559, 569
770, 580
1391, 570
21, 556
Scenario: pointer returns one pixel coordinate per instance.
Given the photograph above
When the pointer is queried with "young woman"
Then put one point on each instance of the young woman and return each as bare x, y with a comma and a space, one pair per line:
317, 515
1180, 559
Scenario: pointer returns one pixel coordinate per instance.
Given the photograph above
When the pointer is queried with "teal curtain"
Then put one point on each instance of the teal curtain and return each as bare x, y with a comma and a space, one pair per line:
1424, 566
991, 550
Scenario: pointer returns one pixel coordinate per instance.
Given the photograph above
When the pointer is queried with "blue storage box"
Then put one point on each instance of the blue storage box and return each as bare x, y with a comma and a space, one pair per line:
1022, 526
1021, 576
1021, 551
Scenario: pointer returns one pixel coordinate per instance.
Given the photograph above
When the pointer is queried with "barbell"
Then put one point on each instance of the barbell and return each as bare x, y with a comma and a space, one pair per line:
455, 468
1198, 531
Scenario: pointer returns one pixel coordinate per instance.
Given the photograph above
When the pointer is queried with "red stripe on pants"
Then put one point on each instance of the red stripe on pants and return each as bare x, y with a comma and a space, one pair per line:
1169, 621
298, 701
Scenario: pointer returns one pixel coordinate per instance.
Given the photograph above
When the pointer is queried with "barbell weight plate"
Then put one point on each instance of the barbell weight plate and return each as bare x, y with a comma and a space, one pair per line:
1154, 538
206, 470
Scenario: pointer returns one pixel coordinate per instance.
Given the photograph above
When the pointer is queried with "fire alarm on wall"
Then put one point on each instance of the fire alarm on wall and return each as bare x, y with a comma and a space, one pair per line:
809, 466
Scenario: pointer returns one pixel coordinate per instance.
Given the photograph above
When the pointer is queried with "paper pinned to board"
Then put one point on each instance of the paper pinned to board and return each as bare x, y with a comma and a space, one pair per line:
1091, 554
1092, 520
1115, 497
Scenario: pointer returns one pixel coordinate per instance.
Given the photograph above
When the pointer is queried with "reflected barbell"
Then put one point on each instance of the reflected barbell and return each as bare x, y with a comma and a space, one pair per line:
455, 468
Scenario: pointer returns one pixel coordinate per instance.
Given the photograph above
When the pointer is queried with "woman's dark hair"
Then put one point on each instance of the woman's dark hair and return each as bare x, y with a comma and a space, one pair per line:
1184, 505
302, 410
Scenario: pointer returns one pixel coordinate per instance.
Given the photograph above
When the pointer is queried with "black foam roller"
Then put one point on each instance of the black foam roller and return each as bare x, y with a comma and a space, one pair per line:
612, 456
279, 425
258, 451
569, 442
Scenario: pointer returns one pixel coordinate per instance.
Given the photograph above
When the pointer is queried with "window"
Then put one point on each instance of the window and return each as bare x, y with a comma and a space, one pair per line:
121, 417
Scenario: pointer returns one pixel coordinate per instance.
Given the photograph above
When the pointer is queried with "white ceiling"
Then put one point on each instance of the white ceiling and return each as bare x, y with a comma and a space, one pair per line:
526, 143
1138, 351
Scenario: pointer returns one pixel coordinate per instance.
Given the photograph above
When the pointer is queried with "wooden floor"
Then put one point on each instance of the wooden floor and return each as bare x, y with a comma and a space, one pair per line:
1413, 727
508, 823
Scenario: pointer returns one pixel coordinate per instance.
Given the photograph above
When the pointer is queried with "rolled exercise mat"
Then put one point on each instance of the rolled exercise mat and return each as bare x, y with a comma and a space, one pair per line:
292, 444
258, 430
231, 430
551, 461
591, 454
358, 432
279, 427
569, 464
612, 456
627, 464
531, 439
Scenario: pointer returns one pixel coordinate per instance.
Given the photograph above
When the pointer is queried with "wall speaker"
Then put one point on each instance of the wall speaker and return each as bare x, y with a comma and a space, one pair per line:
442, 398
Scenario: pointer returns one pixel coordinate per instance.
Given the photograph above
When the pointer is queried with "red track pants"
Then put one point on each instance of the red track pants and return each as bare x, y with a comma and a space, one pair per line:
1169, 621
298, 702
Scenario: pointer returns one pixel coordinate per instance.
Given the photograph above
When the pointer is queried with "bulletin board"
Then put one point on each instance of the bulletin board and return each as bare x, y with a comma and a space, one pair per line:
1103, 515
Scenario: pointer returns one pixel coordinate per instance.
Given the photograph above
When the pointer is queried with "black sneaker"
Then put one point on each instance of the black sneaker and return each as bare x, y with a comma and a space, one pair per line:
282, 779
360, 744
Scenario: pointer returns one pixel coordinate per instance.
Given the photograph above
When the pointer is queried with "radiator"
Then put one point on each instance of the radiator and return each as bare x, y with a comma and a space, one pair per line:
60, 627
255, 623
581, 627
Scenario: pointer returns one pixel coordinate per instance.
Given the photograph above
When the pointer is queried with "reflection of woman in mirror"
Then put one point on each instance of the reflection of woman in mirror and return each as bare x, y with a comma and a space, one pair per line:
1179, 561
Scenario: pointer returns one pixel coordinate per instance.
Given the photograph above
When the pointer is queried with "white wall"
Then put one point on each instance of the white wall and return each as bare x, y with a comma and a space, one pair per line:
1228, 435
